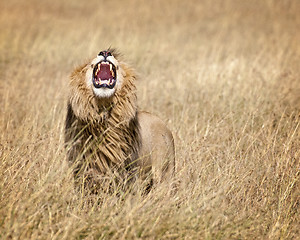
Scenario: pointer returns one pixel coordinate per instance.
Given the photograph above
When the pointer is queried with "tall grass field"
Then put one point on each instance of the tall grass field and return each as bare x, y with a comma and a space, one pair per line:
223, 75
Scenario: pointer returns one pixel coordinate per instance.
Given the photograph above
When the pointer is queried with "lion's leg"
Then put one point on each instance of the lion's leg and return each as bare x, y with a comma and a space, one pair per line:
163, 159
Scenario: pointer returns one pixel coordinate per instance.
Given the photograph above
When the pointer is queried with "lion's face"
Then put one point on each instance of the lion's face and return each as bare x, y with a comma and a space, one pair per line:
104, 75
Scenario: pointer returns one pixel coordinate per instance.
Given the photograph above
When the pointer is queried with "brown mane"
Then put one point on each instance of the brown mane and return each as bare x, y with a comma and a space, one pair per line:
101, 135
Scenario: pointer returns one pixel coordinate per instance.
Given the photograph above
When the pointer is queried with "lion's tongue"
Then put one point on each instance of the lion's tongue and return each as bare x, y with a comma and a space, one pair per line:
104, 73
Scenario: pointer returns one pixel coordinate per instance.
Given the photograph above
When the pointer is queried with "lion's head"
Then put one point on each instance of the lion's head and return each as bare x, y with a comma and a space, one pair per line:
103, 83
105, 76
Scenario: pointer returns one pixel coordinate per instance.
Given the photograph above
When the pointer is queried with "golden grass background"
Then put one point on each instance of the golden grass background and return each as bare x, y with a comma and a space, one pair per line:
225, 77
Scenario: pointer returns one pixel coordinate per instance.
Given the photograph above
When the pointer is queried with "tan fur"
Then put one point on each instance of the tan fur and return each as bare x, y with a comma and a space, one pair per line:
105, 135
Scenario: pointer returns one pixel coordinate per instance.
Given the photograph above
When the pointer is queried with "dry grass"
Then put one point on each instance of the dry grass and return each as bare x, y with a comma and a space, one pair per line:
224, 75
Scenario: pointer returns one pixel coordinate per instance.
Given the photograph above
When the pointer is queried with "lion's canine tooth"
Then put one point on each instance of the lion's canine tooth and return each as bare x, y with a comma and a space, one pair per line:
110, 67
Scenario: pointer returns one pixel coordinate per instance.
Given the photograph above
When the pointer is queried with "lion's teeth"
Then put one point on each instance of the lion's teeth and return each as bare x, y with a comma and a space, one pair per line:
110, 67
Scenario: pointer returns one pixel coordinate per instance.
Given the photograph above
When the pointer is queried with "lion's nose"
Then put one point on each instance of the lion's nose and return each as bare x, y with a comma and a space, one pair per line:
105, 54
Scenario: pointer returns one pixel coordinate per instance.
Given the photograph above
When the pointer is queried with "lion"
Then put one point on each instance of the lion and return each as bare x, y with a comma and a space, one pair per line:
106, 133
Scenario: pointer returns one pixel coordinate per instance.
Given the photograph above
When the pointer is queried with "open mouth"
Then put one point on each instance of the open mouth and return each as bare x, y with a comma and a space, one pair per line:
104, 75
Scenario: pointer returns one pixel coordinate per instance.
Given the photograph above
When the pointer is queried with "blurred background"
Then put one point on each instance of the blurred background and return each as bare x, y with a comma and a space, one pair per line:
168, 42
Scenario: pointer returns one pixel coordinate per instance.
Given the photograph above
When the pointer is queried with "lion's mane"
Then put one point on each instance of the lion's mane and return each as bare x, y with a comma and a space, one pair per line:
101, 135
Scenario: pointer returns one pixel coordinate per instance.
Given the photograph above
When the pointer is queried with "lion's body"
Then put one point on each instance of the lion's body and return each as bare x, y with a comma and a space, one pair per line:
110, 134
157, 148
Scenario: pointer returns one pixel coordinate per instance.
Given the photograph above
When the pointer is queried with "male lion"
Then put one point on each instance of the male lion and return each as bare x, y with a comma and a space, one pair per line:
105, 133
